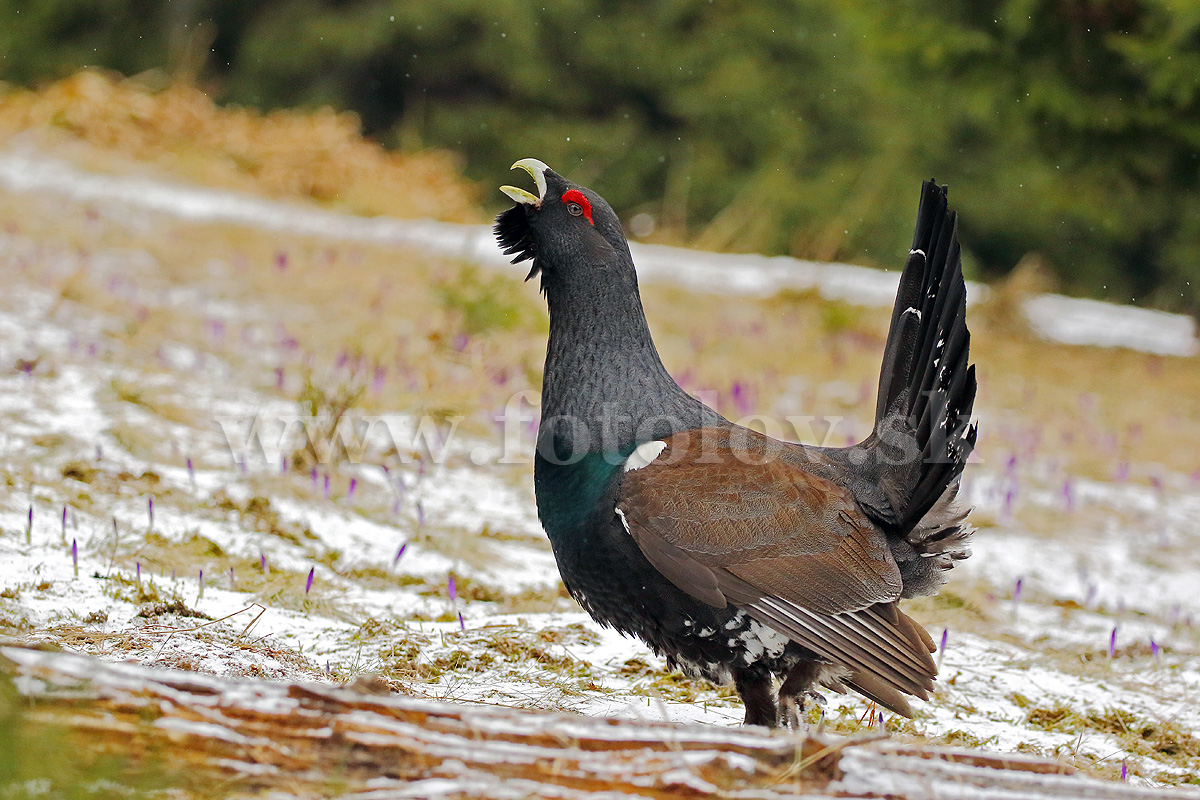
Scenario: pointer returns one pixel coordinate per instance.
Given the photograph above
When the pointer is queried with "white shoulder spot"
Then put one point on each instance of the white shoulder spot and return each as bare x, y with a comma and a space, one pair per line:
644, 455
915, 251
624, 521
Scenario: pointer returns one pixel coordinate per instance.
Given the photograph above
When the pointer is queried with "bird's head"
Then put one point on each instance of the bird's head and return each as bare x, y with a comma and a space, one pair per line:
563, 227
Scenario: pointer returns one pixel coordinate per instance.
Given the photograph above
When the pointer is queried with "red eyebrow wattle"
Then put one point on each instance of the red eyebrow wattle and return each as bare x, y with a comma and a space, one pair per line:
576, 196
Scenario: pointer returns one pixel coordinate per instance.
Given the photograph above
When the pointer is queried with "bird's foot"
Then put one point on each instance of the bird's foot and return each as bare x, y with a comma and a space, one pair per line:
790, 709
793, 709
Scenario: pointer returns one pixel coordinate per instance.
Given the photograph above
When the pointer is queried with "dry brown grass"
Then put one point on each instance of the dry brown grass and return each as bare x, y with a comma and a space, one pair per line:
178, 130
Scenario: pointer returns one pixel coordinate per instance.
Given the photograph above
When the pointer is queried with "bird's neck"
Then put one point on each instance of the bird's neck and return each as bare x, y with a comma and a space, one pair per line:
604, 388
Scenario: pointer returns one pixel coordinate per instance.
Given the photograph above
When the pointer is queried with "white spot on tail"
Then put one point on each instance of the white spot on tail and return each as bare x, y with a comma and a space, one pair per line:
644, 455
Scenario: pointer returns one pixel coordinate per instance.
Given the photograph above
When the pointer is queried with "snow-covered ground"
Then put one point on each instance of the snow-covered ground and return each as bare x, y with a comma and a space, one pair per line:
1070, 631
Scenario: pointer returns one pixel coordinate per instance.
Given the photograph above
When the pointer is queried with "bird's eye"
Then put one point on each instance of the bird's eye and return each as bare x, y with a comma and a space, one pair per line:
578, 205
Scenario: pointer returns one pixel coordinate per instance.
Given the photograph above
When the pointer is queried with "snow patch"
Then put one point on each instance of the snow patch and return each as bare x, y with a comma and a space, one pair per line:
1073, 320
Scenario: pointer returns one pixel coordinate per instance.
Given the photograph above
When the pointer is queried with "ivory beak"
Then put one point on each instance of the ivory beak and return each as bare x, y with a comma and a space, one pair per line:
537, 171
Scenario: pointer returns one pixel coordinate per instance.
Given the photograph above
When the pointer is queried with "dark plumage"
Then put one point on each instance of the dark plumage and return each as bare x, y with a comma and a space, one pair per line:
735, 556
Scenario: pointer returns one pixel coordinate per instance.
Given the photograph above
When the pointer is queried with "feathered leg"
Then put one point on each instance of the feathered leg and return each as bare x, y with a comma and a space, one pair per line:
755, 688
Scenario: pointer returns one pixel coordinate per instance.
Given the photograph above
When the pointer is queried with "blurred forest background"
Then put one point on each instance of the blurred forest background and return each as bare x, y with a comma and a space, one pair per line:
1069, 130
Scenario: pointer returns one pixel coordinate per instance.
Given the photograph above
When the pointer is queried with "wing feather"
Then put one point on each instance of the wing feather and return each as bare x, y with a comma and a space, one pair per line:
790, 548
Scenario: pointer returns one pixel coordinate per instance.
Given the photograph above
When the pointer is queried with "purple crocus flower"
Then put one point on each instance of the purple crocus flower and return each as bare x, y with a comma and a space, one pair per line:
201, 582
399, 553
191, 473
1112, 644
350, 490
308, 585
262, 564
150, 511
29, 527
452, 589
75, 557
741, 398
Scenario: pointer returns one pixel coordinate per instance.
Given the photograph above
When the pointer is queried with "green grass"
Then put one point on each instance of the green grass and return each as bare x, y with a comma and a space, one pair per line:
39, 760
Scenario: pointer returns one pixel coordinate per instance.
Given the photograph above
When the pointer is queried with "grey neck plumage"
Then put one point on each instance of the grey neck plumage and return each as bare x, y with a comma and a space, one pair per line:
605, 389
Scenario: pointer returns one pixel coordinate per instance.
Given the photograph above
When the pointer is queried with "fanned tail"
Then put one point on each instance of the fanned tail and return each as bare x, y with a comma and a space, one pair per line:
927, 387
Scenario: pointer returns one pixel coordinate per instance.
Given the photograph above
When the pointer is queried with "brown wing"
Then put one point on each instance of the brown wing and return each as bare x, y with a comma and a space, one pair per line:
727, 520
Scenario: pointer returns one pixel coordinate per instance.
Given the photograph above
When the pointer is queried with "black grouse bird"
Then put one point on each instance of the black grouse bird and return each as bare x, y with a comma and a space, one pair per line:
735, 556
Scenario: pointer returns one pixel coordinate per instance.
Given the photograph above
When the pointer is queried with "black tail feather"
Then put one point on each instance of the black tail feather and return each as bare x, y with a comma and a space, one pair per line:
926, 378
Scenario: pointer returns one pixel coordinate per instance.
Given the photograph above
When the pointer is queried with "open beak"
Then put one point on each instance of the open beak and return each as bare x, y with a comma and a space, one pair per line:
537, 171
